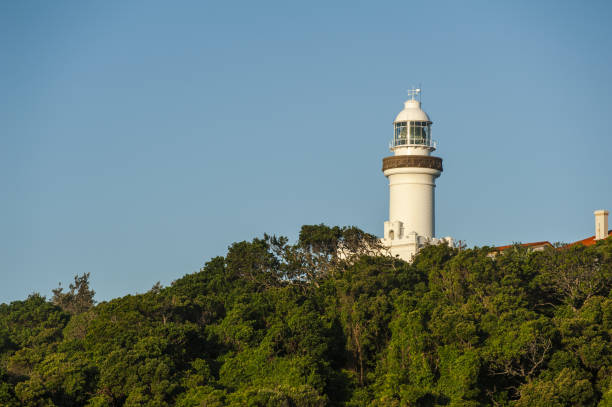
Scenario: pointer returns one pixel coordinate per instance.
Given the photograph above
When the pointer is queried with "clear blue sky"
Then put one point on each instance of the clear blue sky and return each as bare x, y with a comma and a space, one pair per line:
139, 139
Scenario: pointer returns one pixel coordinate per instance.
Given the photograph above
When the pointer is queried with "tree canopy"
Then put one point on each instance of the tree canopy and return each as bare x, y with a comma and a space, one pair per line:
327, 321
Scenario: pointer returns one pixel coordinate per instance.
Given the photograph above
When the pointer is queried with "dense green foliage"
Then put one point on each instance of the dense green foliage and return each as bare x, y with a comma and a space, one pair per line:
273, 324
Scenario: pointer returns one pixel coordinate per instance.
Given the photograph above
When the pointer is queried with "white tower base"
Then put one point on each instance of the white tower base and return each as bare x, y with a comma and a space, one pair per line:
407, 246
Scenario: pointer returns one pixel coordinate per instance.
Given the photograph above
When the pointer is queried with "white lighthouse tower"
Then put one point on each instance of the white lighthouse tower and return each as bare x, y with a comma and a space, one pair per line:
412, 173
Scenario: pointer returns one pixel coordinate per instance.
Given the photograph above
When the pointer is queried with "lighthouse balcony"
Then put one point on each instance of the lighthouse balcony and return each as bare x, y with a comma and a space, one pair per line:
420, 143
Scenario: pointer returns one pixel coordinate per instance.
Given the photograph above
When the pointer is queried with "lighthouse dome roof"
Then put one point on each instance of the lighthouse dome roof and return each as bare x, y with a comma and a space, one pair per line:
412, 113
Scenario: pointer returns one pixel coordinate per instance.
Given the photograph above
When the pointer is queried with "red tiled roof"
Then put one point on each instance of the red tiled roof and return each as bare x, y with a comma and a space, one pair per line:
502, 248
589, 241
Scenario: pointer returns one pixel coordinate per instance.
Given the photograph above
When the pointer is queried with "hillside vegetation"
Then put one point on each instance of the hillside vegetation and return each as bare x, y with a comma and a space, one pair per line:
279, 324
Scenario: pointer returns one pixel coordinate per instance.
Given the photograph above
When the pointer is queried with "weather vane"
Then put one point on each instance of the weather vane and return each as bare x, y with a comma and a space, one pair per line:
414, 92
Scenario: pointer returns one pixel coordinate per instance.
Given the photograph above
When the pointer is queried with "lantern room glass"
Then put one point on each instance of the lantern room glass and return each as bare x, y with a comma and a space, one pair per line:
412, 133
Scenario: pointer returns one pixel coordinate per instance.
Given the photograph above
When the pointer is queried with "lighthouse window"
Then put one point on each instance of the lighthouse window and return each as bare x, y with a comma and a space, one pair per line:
412, 133
401, 133
420, 133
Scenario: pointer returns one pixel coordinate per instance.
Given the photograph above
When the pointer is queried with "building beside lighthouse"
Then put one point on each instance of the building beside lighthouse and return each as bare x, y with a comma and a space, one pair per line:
412, 171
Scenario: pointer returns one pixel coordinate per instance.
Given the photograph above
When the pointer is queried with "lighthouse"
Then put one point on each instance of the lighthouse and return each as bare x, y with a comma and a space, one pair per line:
412, 171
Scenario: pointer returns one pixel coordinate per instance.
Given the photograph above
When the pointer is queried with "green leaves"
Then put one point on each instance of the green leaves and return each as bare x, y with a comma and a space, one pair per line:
326, 321
577, 273
78, 299
568, 388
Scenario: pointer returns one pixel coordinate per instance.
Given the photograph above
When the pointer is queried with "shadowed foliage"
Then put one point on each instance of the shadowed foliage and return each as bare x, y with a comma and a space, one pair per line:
328, 321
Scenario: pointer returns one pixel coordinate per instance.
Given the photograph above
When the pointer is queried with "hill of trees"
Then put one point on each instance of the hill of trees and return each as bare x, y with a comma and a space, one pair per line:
279, 324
